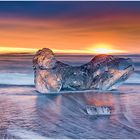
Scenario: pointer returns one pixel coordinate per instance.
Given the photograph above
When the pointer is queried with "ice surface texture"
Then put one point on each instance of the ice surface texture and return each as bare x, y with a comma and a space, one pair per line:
98, 110
103, 72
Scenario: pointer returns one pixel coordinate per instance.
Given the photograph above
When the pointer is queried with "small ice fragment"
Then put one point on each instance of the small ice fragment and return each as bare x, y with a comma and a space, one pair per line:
98, 110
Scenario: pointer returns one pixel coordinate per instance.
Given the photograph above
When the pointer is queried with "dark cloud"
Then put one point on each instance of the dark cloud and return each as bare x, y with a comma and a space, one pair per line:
69, 9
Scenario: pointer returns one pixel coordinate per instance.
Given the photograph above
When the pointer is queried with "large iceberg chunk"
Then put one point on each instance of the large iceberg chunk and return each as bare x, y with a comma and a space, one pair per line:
103, 72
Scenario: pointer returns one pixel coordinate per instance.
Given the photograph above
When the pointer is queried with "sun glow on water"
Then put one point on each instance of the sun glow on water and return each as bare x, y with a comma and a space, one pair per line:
94, 49
104, 49
33, 50
16, 50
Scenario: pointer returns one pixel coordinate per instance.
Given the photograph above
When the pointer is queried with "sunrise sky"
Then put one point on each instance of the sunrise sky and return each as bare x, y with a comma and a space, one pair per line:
70, 27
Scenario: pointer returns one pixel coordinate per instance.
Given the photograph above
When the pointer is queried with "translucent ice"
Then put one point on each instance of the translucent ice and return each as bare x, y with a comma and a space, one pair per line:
103, 72
98, 110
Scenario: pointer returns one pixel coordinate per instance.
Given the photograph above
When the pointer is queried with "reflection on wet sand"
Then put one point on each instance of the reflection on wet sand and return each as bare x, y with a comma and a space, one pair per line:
79, 101
69, 110
65, 116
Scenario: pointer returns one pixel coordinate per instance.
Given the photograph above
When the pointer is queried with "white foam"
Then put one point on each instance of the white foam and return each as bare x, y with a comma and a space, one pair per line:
134, 78
16, 79
23, 133
28, 78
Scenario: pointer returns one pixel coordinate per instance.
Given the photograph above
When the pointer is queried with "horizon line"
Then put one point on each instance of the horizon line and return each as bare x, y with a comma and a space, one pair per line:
17, 50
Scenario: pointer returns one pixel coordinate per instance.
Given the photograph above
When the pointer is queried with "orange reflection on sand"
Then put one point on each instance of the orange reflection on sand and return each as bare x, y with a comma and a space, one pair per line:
106, 99
102, 100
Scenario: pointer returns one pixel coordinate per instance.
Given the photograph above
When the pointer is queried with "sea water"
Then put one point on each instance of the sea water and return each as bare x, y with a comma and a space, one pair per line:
25, 113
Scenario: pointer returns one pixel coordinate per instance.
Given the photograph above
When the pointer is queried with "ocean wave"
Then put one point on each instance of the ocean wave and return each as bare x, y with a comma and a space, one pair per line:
134, 78
28, 79
16, 79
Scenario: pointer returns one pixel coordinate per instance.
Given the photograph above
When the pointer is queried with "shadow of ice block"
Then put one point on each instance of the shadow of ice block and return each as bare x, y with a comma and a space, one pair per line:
98, 110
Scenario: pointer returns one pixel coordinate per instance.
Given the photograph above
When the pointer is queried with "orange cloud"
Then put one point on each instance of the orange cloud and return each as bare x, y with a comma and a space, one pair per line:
71, 35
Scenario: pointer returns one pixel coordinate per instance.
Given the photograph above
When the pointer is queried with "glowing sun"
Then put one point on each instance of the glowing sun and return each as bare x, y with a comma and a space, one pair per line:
104, 49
